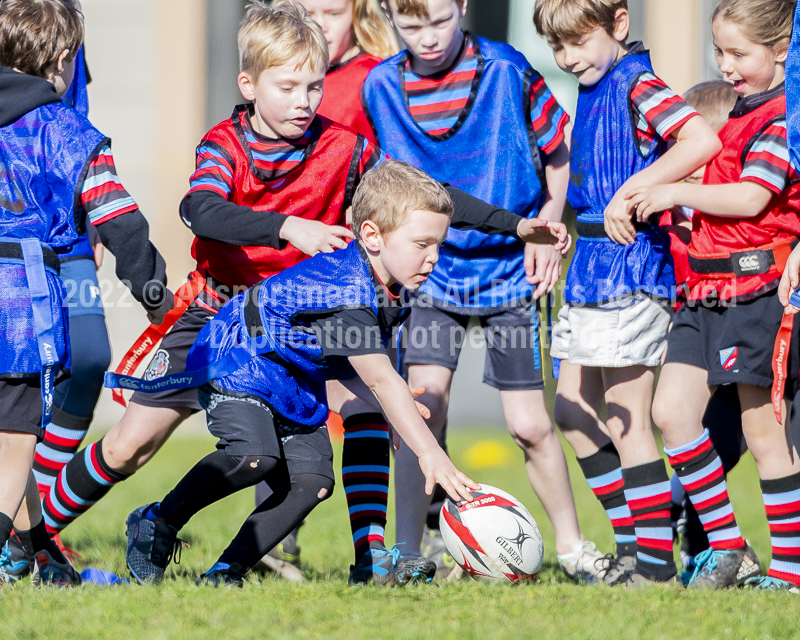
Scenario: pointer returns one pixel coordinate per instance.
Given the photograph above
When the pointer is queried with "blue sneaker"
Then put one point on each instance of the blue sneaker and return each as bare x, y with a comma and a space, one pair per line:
724, 568
223, 575
152, 545
771, 584
386, 567
14, 562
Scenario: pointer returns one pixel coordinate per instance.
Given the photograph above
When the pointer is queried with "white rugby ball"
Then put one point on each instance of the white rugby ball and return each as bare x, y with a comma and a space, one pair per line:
493, 538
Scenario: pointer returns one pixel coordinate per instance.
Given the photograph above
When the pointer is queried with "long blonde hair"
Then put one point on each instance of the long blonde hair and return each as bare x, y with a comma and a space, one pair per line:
372, 30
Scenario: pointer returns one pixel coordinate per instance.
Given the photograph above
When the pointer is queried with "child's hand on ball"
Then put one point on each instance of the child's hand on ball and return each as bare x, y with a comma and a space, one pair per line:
439, 469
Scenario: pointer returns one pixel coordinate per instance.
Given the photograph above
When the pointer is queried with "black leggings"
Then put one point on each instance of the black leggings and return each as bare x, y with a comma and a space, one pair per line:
293, 498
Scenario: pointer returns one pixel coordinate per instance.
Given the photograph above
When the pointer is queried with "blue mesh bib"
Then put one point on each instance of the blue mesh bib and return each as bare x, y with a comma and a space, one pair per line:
43, 156
604, 155
491, 153
292, 376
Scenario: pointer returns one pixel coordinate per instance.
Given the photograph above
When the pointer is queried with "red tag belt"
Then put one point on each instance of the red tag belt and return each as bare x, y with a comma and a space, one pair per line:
184, 297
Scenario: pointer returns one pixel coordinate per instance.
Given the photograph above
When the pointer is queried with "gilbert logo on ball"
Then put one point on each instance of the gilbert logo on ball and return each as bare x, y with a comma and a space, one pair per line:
493, 538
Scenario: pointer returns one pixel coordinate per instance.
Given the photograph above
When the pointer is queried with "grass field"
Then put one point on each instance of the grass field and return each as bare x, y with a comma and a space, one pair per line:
325, 607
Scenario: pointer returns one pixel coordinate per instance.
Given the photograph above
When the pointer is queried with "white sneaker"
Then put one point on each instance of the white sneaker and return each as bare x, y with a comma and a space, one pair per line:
581, 565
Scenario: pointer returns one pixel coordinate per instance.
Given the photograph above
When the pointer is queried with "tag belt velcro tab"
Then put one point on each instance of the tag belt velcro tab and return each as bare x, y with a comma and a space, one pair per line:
12, 250
252, 316
754, 262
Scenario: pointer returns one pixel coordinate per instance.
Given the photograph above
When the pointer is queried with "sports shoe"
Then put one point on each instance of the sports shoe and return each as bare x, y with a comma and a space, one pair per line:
689, 565
613, 569
581, 565
152, 545
69, 553
434, 548
222, 575
634, 580
50, 572
283, 560
15, 563
724, 568
768, 583
386, 567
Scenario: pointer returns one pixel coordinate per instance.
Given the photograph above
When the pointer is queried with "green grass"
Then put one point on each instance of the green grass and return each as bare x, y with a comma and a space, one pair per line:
325, 607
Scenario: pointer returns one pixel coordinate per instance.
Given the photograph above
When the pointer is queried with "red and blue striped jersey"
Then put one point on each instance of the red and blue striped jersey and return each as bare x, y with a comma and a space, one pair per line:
102, 195
436, 102
275, 158
659, 111
767, 160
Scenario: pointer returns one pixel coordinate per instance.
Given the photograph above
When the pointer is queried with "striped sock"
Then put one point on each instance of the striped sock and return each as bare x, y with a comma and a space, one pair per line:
782, 501
700, 470
603, 472
82, 482
61, 440
648, 495
365, 477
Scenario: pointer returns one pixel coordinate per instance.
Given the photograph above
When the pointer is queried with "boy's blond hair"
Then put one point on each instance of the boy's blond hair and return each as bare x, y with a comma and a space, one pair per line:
414, 8
372, 30
33, 33
559, 20
713, 100
392, 190
273, 34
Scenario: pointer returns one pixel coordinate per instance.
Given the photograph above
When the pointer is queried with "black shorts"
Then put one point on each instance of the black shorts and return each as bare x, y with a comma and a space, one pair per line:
513, 356
248, 426
733, 344
171, 358
21, 407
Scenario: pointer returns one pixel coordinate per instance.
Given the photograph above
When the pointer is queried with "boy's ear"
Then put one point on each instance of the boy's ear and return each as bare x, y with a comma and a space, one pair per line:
781, 50
387, 9
370, 236
246, 86
463, 7
61, 59
622, 25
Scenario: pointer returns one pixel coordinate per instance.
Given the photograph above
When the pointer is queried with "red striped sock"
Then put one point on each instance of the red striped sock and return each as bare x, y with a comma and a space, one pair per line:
700, 470
603, 472
82, 482
782, 502
365, 478
62, 438
648, 495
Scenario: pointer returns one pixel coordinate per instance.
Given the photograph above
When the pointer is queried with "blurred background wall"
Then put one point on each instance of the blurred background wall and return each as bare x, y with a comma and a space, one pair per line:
165, 71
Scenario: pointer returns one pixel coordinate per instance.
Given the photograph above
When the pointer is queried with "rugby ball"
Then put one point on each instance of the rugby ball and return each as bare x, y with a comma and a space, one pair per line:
493, 538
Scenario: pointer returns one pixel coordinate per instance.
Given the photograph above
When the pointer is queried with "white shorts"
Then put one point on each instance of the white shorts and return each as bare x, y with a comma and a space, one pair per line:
628, 332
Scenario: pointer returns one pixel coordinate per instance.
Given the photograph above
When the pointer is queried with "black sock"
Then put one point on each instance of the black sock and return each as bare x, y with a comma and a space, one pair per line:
291, 501
215, 477
37, 539
6, 525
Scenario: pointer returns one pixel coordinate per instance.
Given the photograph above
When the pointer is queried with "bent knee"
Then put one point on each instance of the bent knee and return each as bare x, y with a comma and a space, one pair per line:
531, 434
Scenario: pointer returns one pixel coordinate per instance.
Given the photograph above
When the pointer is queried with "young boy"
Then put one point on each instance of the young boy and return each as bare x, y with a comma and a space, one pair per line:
273, 348
612, 329
272, 155
51, 158
474, 114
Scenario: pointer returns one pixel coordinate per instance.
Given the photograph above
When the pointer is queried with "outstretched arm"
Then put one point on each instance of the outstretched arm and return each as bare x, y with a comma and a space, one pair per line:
396, 403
